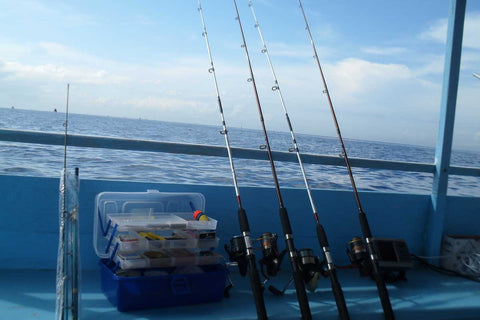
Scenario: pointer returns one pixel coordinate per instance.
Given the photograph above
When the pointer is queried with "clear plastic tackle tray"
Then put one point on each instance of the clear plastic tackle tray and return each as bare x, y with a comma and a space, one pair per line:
159, 221
165, 258
133, 242
126, 212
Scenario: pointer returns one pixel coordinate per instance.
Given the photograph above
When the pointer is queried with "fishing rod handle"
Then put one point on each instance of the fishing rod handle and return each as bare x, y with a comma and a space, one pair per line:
300, 289
364, 225
332, 273
377, 276
338, 294
286, 226
257, 289
243, 220
384, 298
322, 236
255, 282
296, 271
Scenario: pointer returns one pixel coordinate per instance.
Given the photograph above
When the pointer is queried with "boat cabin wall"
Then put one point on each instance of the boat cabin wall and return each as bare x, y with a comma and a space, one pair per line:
29, 217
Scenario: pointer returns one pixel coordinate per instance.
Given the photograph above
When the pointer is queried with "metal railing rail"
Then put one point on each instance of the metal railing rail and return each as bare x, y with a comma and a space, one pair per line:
48, 138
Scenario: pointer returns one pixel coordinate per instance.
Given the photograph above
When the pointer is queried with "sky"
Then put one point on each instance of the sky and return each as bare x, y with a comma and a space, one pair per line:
383, 62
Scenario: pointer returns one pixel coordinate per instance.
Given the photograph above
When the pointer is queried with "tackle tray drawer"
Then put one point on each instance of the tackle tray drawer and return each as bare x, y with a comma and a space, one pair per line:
165, 258
163, 287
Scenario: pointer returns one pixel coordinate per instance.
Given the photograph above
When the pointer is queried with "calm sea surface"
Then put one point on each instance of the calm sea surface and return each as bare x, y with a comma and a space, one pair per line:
47, 161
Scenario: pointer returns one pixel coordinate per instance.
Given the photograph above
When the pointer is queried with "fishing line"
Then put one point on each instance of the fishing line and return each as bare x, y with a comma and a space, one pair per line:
287, 229
367, 234
255, 283
321, 234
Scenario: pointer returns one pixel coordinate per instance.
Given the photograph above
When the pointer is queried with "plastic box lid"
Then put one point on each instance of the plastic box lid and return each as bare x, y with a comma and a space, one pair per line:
127, 211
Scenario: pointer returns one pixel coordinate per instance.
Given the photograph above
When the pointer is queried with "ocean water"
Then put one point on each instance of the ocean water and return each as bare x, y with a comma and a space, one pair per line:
47, 161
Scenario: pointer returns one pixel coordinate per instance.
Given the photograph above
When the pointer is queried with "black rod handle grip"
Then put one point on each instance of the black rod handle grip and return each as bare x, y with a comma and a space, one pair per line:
338, 294
296, 271
364, 225
322, 236
287, 228
384, 298
300, 289
243, 220
332, 272
256, 288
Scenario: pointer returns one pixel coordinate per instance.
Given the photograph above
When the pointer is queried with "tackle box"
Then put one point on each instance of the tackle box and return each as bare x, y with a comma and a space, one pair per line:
122, 217
149, 243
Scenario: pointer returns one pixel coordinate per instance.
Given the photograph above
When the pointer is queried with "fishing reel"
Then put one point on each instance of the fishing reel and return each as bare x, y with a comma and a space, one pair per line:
312, 270
358, 255
237, 252
392, 257
271, 257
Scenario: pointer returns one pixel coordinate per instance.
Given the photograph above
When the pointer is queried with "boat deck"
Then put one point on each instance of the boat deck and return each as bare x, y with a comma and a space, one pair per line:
30, 294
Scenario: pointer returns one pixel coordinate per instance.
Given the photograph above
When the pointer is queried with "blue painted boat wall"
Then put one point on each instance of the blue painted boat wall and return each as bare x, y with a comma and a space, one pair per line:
29, 215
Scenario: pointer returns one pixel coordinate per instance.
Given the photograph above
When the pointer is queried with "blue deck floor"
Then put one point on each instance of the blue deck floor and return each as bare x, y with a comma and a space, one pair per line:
29, 294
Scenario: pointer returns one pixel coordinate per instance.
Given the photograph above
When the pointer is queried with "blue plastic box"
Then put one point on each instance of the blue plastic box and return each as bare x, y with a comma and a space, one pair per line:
148, 292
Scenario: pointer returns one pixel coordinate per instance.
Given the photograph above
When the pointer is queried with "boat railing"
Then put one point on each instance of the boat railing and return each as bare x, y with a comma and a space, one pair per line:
50, 138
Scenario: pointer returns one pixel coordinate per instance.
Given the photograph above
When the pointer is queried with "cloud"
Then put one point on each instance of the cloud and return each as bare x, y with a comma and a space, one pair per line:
356, 76
282, 49
471, 37
432, 65
59, 73
385, 51
436, 32
63, 13
60, 52
172, 89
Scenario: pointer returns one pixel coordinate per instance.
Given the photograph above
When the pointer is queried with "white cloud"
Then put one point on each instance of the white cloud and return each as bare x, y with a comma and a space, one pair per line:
433, 64
61, 12
436, 32
385, 51
59, 51
471, 35
290, 50
59, 73
12, 51
355, 77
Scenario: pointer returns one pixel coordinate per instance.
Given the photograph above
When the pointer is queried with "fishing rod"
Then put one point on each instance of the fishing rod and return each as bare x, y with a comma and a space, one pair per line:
75, 251
285, 221
62, 276
367, 234
321, 234
68, 264
255, 283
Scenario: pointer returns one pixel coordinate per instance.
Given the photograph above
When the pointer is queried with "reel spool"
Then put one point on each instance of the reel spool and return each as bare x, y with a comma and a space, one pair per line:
271, 259
312, 271
237, 252
357, 253
311, 268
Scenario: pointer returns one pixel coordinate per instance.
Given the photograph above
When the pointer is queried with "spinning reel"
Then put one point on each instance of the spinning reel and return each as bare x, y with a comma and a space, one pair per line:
392, 257
312, 270
310, 265
272, 258
237, 252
